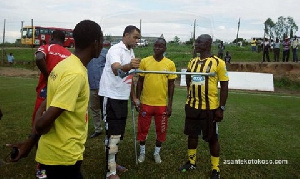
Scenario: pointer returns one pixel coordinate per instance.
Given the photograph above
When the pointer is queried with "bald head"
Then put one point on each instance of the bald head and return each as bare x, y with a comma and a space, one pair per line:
203, 45
205, 37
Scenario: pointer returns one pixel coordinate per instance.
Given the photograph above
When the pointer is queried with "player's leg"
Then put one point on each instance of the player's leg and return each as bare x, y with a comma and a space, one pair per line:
115, 113
144, 122
214, 147
192, 128
161, 125
111, 151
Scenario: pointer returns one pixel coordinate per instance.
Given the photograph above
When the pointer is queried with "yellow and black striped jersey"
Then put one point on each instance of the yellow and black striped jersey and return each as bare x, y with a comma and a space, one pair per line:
203, 90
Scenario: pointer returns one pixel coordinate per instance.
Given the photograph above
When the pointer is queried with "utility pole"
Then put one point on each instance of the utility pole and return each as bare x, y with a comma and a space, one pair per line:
33, 35
141, 30
194, 39
194, 34
22, 23
237, 34
3, 42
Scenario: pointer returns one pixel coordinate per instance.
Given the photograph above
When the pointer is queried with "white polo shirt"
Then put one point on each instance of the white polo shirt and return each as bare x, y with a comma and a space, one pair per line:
113, 86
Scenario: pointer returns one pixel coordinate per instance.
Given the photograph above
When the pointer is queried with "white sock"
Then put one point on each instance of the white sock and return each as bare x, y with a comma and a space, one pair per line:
142, 149
157, 150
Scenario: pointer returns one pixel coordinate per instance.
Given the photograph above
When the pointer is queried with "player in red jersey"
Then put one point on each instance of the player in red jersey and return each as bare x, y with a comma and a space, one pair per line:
47, 57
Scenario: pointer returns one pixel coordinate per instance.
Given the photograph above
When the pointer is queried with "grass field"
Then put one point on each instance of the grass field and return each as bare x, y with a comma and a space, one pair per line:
261, 126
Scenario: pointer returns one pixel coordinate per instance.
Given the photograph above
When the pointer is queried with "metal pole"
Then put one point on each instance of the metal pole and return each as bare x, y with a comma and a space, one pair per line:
194, 39
141, 30
22, 22
33, 38
134, 134
3, 42
237, 34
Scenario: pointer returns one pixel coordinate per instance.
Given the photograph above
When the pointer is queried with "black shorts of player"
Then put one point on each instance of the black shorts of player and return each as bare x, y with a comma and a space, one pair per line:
200, 121
63, 171
116, 111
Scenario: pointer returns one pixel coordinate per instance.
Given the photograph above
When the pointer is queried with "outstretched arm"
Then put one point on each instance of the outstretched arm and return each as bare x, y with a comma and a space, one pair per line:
134, 64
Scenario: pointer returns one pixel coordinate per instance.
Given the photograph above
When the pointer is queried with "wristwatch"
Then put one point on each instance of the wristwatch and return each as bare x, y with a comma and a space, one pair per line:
222, 108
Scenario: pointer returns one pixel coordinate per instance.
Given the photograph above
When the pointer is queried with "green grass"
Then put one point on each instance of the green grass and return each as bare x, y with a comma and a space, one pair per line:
286, 83
179, 53
256, 126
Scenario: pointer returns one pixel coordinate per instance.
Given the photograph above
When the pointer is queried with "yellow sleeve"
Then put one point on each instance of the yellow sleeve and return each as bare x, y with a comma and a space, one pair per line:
173, 69
222, 71
68, 91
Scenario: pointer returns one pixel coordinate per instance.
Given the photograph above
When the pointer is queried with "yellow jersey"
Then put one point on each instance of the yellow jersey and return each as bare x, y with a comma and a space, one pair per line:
68, 89
203, 90
155, 87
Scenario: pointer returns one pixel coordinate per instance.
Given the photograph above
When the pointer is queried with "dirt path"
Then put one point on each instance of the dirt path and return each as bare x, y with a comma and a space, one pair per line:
18, 72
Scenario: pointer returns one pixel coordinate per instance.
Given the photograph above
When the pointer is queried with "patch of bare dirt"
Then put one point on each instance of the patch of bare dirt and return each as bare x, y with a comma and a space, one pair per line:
18, 72
290, 70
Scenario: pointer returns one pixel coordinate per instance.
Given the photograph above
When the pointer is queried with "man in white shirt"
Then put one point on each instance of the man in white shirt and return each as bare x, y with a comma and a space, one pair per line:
116, 92
295, 49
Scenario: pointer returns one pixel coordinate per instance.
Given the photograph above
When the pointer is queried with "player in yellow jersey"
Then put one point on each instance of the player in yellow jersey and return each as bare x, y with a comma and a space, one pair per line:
203, 107
156, 94
253, 45
62, 124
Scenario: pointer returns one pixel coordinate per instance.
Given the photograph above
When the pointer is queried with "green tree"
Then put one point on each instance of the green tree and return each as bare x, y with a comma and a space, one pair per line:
285, 27
270, 28
176, 39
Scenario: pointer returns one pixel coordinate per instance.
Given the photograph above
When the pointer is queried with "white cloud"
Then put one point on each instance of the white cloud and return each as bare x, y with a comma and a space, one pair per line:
221, 27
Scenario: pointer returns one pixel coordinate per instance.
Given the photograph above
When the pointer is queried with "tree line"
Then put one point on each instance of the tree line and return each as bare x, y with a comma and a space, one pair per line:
284, 27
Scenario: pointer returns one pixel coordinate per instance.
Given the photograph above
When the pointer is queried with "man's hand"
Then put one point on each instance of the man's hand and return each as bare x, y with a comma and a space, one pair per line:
135, 63
218, 115
169, 111
137, 104
24, 149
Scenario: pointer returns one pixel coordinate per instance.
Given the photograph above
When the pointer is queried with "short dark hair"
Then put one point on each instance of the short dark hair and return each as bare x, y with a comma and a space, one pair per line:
162, 39
87, 32
129, 29
59, 35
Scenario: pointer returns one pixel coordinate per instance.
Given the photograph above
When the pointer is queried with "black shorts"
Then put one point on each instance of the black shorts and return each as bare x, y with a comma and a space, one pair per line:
63, 171
200, 121
116, 114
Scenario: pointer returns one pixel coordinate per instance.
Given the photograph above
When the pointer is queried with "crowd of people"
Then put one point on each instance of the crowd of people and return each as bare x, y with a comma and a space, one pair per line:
71, 84
270, 46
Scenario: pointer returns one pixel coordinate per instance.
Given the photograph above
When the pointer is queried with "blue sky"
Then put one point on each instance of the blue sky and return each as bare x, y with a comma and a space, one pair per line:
172, 18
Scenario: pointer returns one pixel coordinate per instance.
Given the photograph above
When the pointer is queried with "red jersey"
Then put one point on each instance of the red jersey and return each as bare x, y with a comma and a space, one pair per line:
54, 53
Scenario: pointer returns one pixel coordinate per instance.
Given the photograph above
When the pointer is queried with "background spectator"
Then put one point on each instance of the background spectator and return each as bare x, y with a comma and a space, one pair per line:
95, 69
266, 47
10, 58
295, 49
227, 57
221, 48
286, 50
276, 50
253, 45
